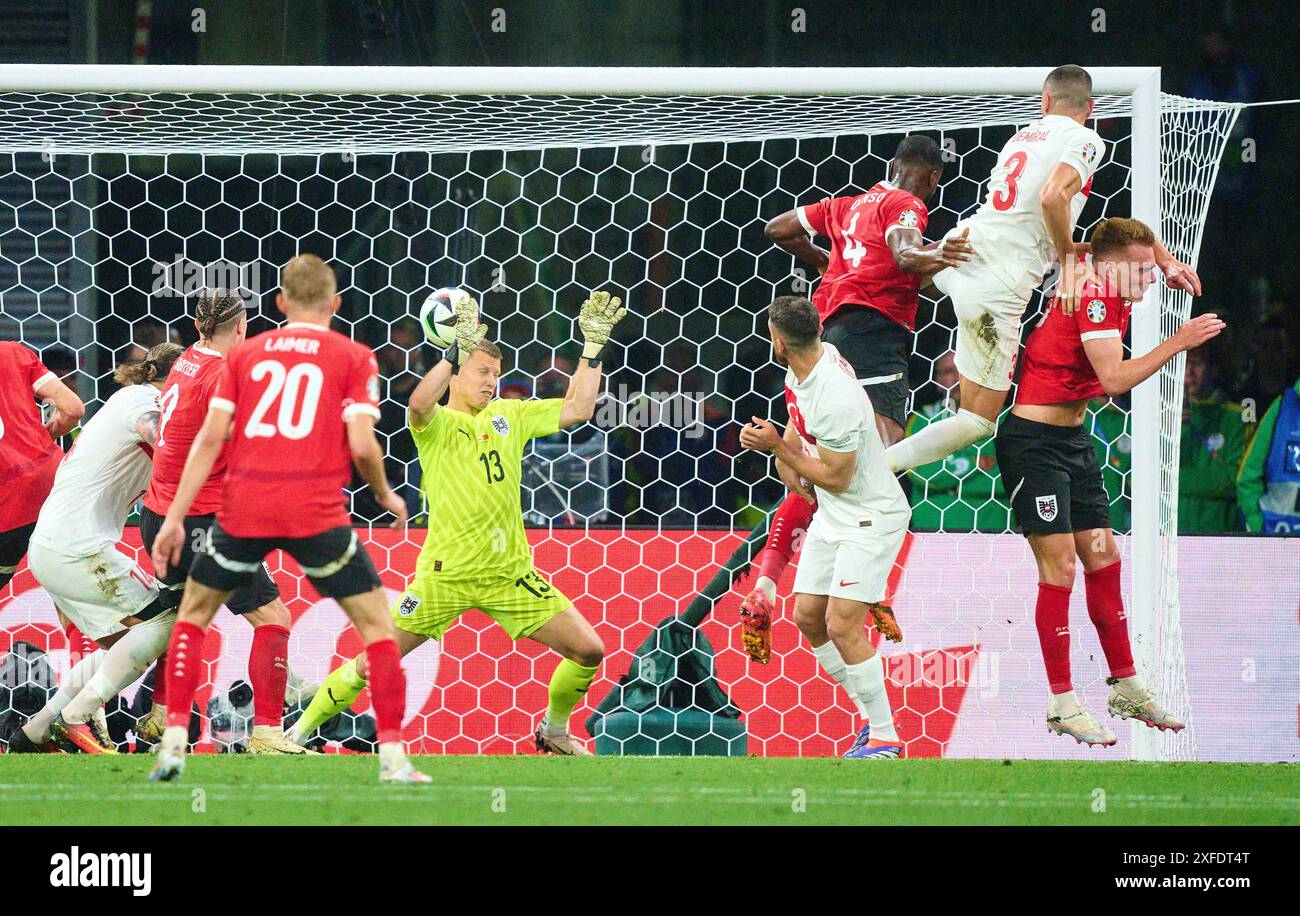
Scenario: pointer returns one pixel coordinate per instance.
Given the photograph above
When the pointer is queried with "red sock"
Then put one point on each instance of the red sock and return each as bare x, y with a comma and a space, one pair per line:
79, 644
790, 520
184, 659
268, 671
160, 681
387, 688
1052, 617
1106, 610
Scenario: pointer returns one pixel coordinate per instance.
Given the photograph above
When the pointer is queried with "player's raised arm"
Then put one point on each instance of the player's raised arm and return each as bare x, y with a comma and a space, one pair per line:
207, 447
600, 313
914, 256
68, 408
423, 403
1058, 191
1119, 375
789, 234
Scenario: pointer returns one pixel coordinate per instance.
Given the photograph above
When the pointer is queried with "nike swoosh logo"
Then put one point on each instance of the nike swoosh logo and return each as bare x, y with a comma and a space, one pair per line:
844, 584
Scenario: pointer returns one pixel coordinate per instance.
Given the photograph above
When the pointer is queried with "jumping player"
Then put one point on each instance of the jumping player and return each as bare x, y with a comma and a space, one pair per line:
1035, 194
29, 450
222, 324
476, 554
832, 442
1049, 467
75, 557
867, 301
298, 405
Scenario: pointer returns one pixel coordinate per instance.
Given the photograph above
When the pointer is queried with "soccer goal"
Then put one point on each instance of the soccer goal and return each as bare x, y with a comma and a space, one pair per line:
127, 189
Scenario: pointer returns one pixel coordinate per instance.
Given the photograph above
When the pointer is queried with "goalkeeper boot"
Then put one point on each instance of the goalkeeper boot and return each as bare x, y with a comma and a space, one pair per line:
394, 767
19, 743
756, 626
1132, 700
1072, 720
87, 737
863, 737
882, 615
562, 743
267, 739
170, 762
876, 749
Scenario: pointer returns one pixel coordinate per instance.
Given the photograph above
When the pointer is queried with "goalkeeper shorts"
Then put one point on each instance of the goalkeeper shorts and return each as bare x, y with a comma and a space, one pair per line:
430, 604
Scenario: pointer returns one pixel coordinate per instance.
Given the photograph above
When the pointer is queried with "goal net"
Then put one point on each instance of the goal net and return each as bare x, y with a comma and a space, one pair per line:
126, 190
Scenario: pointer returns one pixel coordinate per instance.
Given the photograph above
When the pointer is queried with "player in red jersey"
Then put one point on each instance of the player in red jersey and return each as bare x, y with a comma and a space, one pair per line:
298, 406
221, 323
29, 452
867, 301
1049, 467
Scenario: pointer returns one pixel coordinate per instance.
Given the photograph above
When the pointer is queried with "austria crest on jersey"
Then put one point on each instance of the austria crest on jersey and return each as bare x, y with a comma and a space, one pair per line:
1046, 506
501, 425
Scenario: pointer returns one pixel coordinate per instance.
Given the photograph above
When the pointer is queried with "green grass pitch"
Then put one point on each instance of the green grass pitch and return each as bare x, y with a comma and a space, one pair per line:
338, 789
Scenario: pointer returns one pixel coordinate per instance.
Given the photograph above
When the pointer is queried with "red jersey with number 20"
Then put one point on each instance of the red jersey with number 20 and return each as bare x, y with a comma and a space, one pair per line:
291, 391
183, 405
862, 269
1055, 368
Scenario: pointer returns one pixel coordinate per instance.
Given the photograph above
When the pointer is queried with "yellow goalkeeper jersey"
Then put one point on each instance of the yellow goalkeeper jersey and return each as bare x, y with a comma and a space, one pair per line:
472, 467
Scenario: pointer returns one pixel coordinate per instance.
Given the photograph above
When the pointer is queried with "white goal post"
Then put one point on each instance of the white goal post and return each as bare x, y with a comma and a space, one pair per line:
227, 111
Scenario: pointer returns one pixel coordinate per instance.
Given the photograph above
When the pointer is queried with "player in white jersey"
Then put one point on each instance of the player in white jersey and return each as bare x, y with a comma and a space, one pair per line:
832, 444
1035, 194
75, 558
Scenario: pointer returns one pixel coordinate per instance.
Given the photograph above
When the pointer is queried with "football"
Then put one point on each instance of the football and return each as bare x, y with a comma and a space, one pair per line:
438, 315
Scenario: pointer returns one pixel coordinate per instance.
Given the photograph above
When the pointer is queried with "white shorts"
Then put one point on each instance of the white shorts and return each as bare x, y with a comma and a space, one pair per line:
97, 591
988, 323
853, 566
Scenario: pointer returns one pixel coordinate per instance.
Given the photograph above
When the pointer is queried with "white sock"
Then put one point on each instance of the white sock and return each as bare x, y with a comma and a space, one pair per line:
391, 754
866, 680
1063, 705
37, 728
1131, 685
939, 440
833, 664
768, 587
125, 660
554, 731
267, 731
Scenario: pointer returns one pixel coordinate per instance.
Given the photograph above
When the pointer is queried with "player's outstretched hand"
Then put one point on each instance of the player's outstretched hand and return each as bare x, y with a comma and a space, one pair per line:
391, 502
469, 331
1181, 276
600, 312
1198, 330
1076, 273
956, 250
167, 547
760, 435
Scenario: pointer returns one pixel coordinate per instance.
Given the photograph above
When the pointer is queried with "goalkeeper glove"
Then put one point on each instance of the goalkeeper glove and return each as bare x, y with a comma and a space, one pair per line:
469, 332
596, 321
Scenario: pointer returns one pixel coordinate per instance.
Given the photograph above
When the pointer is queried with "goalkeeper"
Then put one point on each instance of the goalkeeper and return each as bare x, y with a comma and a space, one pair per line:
476, 554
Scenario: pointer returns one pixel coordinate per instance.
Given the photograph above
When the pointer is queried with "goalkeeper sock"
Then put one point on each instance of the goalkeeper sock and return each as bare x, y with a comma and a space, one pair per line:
37, 727
939, 440
184, 661
268, 672
569, 684
1106, 610
1052, 618
123, 663
387, 689
867, 683
833, 664
339, 691
790, 520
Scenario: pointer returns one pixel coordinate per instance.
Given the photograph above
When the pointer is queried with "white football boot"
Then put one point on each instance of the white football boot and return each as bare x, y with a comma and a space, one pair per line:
1066, 716
1130, 699
395, 768
170, 762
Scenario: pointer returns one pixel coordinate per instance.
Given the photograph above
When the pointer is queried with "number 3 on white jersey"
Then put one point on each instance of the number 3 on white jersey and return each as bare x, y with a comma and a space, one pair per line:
295, 398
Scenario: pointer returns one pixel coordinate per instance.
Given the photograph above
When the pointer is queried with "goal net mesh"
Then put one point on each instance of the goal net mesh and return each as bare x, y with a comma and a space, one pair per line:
117, 207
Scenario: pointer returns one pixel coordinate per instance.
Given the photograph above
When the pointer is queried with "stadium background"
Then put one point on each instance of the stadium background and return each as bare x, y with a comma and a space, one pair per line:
707, 263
